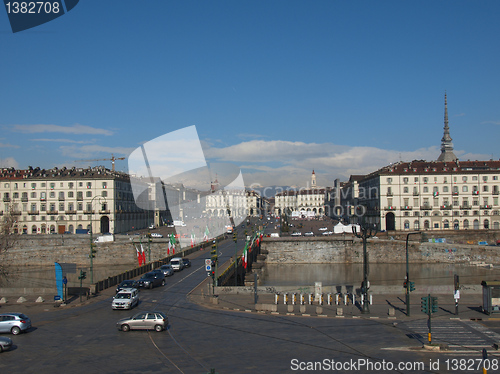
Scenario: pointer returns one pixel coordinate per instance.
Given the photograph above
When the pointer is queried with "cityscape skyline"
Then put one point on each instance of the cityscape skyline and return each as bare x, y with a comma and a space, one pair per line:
339, 88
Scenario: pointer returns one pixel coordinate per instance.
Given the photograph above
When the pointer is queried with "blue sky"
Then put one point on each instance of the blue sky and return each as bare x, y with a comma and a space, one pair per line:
277, 87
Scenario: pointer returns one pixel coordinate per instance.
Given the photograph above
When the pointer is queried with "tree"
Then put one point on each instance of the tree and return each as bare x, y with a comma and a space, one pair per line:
7, 238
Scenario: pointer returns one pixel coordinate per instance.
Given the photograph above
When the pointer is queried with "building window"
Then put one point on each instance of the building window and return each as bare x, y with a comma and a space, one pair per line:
405, 190
425, 179
426, 189
89, 184
70, 185
474, 178
464, 179
89, 194
71, 194
52, 194
465, 188
104, 184
104, 193
33, 195
416, 179
389, 180
445, 189
485, 188
485, 178
405, 180
52, 186
80, 184
33, 186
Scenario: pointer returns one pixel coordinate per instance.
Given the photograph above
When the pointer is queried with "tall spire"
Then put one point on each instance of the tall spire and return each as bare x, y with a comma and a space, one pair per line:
447, 154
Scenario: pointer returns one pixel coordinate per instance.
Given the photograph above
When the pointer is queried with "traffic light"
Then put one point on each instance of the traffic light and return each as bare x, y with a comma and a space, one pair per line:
215, 258
424, 304
434, 304
412, 286
234, 237
405, 284
93, 251
83, 275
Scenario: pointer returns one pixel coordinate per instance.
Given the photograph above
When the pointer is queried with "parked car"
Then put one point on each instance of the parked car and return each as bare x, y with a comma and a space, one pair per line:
156, 235
177, 264
5, 343
161, 272
310, 233
297, 234
167, 270
126, 284
157, 321
151, 279
14, 323
323, 228
186, 262
127, 298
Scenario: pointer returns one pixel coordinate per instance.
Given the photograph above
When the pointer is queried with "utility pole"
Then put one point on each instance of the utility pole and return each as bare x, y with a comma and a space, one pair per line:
367, 231
410, 286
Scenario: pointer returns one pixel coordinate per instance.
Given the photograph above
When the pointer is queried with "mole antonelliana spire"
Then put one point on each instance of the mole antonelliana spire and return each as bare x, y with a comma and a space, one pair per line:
447, 154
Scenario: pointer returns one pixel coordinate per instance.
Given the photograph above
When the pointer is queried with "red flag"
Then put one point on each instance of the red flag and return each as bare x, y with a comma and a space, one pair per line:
139, 257
143, 254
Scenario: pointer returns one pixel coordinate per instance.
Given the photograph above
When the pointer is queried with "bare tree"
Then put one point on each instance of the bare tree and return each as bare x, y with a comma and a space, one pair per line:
7, 239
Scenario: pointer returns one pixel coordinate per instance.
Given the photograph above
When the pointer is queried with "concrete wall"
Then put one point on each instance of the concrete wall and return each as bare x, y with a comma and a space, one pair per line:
333, 250
47, 249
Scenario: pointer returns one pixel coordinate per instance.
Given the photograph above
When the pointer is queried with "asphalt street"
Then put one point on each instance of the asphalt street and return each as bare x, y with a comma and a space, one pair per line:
85, 339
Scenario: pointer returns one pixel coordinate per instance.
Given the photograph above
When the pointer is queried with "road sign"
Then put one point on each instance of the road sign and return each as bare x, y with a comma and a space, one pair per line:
208, 267
208, 261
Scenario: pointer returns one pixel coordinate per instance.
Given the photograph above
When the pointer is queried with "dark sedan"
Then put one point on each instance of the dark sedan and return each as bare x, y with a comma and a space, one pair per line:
126, 284
186, 262
152, 279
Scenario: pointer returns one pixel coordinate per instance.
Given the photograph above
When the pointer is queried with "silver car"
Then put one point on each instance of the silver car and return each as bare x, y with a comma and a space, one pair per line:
157, 321
5, 343
14, 323
167, 270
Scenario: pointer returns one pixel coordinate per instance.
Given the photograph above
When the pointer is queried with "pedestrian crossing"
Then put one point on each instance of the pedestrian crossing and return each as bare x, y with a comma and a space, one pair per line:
454, 333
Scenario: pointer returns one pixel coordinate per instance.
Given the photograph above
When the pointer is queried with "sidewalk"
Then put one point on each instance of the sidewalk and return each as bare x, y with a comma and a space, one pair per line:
384, 306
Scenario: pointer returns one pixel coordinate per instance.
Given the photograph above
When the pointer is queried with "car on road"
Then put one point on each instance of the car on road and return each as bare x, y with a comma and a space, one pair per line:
167, 270
15, 323
156, 235
126, 284
323, 228
177, 264
151, 279
126, 299
157, 321
297, 234
186, 262
310, 233
5, 343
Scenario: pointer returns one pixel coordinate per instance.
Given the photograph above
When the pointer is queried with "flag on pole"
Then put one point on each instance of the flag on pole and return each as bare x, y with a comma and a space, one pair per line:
143, 254
172, 243
205, 236
139, 257
192, 241
244, 257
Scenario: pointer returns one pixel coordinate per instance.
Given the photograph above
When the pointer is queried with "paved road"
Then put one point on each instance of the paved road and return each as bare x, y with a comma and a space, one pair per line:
85, 340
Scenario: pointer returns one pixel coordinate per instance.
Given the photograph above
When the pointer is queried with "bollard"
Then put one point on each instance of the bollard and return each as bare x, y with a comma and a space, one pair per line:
320, 301
329, 299
294, 298
346, 299
302, 299
371, 300
311, 298
338, 298
285, 298
353, 299
276, 298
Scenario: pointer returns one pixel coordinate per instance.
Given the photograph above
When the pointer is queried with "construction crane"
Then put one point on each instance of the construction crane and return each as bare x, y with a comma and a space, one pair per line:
112, 159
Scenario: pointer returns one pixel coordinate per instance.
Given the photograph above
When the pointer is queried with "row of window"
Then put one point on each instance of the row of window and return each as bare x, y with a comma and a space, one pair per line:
446, 189
445, 201
456, 225
456, 213
52, 195
445, 180
52, 185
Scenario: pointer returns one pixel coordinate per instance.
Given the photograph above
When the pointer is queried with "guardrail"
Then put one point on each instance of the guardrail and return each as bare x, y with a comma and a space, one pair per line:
135, 272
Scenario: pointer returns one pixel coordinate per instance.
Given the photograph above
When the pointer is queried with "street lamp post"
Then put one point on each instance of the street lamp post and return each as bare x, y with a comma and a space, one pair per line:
367, 231
92, 244
407, 279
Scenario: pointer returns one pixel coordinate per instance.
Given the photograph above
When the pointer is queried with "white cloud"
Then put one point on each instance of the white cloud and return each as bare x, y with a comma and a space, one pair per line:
9, 162
92, 151
6, 145
291, 163
74, 129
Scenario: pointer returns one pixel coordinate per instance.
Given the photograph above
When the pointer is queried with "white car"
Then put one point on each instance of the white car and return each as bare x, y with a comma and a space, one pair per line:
156, 235
323, 228
310, 233
177, 264
297, 234
127, 298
